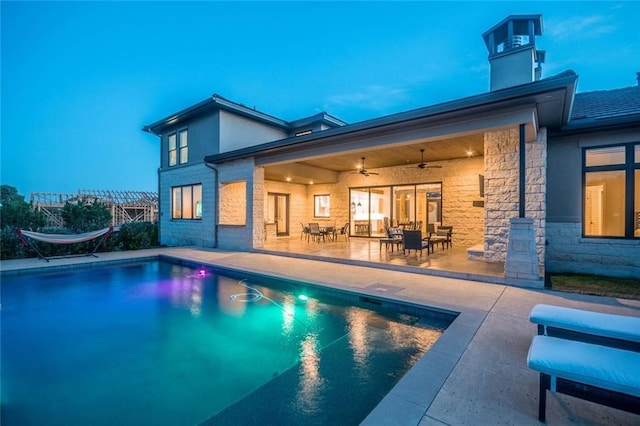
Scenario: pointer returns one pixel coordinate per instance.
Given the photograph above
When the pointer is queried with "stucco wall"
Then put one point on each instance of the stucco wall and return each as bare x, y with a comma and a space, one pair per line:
501, 186
238, 132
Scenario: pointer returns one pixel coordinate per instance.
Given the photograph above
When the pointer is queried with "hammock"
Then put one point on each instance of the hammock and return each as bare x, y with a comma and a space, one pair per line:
63, 239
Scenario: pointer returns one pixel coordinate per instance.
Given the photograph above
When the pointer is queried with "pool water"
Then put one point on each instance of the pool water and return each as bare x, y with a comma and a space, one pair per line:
155, 343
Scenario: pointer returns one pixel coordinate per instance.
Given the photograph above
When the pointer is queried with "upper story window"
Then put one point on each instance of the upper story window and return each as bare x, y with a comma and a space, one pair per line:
178, 148
612, 191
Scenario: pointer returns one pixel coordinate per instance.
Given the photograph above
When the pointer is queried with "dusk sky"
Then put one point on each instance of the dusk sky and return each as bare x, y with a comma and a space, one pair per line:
80, 79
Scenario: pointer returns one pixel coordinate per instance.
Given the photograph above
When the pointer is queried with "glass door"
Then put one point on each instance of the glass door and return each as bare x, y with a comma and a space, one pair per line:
278, 213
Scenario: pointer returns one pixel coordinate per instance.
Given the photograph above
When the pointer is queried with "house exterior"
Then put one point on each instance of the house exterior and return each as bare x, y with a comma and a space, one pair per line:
534, 173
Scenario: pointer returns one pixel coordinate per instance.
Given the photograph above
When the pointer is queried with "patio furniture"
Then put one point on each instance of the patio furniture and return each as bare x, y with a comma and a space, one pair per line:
343, 231
450, 229
315, 232
394, 237
305, 231
329, 232
412, 240
27, 238
600, 374
619, 331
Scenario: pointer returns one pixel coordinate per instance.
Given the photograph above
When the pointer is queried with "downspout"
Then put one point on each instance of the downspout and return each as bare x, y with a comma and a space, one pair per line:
217, 203
523, 173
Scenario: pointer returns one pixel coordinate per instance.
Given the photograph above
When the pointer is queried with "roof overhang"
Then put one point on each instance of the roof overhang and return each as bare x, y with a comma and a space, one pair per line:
544, 103
215, 102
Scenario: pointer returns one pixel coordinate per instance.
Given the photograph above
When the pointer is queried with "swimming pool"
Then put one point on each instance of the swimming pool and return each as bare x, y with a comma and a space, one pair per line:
161, 343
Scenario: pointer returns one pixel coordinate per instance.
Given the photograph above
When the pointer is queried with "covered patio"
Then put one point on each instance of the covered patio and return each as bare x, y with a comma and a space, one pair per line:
450, 262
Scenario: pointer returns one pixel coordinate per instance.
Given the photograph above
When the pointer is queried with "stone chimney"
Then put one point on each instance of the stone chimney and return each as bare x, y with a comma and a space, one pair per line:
513, 56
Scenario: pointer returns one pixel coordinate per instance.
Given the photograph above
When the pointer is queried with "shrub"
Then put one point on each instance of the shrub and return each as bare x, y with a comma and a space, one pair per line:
137, 235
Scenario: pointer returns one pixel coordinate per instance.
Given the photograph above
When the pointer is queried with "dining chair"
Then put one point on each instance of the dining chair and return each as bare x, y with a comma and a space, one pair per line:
315, 233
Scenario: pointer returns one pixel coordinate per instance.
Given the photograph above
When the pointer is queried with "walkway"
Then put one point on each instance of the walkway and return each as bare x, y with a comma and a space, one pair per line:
475, 374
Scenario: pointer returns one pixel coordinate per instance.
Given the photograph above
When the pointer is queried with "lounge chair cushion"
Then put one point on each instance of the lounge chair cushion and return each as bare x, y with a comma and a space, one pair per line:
605, 325
601, 366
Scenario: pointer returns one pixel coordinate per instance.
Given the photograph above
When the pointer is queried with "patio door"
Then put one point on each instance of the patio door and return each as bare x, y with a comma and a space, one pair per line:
278, 212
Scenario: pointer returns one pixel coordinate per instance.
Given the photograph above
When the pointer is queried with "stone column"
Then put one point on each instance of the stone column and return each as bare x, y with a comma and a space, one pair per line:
521, 267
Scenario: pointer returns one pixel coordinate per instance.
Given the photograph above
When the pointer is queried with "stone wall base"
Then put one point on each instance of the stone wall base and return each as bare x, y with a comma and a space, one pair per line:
521, 267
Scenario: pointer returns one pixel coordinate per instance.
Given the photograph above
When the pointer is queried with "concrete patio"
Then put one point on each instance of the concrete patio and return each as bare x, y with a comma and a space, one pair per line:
476, 372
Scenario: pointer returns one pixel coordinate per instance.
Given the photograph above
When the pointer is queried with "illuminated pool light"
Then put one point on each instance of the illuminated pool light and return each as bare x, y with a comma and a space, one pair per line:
303, 297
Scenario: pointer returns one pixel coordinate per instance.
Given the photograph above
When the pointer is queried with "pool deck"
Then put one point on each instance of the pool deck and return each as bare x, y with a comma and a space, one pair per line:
475, 374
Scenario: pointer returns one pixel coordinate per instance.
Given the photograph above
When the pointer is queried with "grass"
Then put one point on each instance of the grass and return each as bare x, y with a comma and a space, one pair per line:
597, 285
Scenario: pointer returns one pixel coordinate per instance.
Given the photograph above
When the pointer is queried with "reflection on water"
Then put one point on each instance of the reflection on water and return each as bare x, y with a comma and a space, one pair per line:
310, 385
187, 293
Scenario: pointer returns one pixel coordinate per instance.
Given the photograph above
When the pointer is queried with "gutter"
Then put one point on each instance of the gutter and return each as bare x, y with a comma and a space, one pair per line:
217, 203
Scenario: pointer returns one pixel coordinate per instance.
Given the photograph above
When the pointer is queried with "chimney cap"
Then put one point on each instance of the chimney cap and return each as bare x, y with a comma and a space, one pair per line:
520, 24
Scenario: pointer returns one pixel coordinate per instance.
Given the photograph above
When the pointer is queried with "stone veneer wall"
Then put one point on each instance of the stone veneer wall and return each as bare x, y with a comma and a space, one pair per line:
180, 232
569, 252
460, 188
501, 184
251, 233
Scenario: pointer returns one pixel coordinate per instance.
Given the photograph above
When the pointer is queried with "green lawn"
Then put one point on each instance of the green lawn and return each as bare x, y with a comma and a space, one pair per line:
596, 285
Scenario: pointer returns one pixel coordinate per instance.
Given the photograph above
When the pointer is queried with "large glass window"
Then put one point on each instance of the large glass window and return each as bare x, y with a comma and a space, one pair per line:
186, 202
612, 191
411, 206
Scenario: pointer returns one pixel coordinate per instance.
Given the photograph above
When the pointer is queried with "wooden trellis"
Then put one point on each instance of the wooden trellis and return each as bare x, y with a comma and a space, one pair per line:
125, 206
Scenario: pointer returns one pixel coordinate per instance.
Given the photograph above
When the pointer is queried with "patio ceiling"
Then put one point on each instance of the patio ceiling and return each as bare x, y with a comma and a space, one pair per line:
324, 169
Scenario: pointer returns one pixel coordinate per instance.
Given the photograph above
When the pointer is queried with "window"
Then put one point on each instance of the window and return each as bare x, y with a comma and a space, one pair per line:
173, 152
612, 191
186, 202
184, 148
178, 148
321, 205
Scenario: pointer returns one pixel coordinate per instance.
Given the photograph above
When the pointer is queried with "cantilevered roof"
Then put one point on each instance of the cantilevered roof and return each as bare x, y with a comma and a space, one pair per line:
552, 98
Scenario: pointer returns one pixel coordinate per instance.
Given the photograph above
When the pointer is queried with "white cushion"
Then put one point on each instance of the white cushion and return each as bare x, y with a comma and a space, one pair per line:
606, 325
608, 368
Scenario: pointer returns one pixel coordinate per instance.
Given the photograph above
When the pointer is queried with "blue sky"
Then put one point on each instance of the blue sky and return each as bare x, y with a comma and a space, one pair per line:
80, 79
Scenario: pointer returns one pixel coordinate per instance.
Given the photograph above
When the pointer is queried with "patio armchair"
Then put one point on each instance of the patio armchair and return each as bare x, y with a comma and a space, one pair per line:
412, 240
343, 231
450, 229
315, 233
304, 232
394, 237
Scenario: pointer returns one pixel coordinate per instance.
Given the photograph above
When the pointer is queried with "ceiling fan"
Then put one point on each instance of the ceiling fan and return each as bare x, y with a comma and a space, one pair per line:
364, 171
424, 165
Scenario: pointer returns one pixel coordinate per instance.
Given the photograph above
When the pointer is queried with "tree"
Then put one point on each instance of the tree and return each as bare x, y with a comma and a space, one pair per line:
84, 216
15, 212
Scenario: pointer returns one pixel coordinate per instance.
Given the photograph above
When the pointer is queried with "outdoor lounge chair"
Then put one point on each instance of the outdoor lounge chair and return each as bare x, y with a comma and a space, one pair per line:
618, 331
600, 374
412, 240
